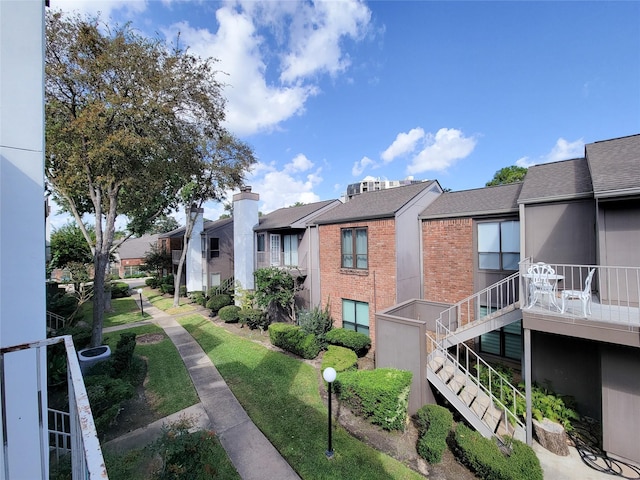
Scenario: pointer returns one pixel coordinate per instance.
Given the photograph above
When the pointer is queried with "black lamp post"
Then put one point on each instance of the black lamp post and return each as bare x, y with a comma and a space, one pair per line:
329, 374
141, 307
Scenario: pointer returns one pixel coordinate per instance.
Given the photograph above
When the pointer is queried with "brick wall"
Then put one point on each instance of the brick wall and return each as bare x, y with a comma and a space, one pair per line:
448, 262
375, 286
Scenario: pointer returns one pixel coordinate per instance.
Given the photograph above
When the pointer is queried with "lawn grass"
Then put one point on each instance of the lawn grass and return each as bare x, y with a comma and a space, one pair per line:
125, 310
166, 304
280, 394
168, 383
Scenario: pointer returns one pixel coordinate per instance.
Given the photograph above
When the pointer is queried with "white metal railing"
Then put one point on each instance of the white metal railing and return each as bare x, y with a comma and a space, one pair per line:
615, 293
87, 462
487, 303
279, 259
55, 321
472, 366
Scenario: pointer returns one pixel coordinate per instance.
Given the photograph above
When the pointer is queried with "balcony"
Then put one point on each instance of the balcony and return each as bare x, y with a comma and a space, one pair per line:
289, 261
614, 304
70, 432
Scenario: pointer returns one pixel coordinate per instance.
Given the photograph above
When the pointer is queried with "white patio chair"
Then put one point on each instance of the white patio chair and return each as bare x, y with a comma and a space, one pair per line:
540, 284
583, 295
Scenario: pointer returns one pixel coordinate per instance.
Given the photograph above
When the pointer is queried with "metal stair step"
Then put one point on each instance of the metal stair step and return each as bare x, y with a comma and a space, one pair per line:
480, 404
468, 393
492, 418
436, 363
457, 382
446, 372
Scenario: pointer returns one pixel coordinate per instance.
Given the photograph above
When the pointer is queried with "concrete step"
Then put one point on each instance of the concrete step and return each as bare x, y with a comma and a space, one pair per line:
468, 393
480, 404
436, 363
457, 382
492, 417
446, 372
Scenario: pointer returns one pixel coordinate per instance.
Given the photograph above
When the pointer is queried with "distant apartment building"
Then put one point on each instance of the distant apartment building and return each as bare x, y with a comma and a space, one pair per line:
370, 184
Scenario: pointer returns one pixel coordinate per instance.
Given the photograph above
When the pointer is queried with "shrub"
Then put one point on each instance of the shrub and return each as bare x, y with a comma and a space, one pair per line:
106, 395
380, 395
356, 341
318, 322
167, 288
216, 302
340, 358
119, 290
62, 304
229, 314
152, 282
483, 456
183, 290
292, 339
254, 318
194, 455
198, 298
434, 423
123, 354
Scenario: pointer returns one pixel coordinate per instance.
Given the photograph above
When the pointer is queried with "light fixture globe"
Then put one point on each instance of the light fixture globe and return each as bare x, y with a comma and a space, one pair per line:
329, 374
140, 291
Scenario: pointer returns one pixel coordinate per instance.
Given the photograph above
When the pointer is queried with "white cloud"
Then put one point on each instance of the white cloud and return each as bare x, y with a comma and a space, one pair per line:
283, 188
562, 150
404, 143
299, 164
361, 165
315, 35
442, 150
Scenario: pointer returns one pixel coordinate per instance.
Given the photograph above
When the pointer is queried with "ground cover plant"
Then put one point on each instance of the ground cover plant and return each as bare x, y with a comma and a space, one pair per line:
434, 424
280, 394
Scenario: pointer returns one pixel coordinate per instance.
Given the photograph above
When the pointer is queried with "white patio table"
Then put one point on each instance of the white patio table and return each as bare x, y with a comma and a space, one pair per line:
536, 292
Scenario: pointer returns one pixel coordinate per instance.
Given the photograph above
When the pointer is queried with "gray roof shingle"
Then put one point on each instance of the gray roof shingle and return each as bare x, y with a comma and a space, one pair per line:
376, 204
568, 179
137, 247
615, 166
480, 201
289, 216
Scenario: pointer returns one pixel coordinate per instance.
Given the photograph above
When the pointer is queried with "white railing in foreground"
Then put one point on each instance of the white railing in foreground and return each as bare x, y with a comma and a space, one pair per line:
87, 462
492, 299
615, 292
469, 362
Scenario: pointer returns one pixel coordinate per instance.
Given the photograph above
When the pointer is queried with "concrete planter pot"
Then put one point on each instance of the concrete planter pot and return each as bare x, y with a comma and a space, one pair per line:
88, 357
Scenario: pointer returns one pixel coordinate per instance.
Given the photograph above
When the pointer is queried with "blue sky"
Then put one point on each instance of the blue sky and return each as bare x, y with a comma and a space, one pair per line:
328, 93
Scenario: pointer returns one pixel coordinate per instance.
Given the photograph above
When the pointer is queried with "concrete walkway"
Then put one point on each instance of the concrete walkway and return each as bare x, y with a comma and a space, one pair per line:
251, 453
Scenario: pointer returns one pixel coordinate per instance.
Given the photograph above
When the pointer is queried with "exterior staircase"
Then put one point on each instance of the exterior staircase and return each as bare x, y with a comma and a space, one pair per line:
479, 393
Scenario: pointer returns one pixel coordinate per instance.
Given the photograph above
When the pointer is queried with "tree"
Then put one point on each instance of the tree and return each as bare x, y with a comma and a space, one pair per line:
506, 175
157, 259
164, 224
68, 245
222, 167
276, 291
126, 118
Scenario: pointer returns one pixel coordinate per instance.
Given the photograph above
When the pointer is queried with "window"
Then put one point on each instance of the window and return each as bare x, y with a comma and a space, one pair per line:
355, 316
498, 245
290, 250
260, 242
274, 244
354, 244
506, 342
214, 247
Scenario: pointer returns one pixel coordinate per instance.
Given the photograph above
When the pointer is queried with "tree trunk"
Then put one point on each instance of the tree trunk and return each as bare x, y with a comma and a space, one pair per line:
100, 263
178, 277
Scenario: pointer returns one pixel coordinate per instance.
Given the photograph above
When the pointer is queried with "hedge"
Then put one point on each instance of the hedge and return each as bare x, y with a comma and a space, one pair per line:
381, 395
340, 358
216, 302
229, 314
356, 341
434, 424
292, 339
483, 457
119, 290
254, 318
